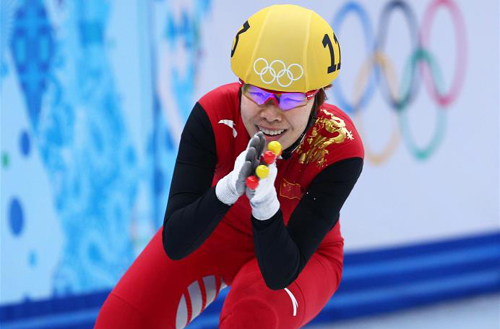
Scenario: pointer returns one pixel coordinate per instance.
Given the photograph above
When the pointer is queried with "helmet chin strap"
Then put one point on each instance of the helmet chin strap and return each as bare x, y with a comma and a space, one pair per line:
287, 154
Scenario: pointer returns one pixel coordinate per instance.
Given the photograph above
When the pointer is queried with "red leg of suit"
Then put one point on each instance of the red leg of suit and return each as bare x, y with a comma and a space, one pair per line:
157, 292
250, 304
164, 293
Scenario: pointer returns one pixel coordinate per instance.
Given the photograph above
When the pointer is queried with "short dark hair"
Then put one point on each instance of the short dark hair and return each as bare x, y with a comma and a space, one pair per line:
321, 97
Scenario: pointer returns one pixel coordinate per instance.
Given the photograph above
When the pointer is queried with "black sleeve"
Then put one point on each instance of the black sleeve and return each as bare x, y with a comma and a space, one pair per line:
283, 251
193, 209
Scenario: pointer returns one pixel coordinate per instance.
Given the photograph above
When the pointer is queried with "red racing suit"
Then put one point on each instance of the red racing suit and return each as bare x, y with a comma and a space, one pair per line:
158, 292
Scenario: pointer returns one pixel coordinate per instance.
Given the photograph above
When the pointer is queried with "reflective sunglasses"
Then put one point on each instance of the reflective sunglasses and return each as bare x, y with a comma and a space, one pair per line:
285, 101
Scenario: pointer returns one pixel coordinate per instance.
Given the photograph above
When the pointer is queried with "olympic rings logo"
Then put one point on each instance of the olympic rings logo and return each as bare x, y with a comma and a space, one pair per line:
272, 73
377, 71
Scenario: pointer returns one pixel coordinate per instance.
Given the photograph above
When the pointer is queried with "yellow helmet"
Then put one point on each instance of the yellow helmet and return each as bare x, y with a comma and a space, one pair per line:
286, 48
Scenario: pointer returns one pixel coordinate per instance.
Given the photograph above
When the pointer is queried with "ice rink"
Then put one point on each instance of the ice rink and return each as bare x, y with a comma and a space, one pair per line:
476, 313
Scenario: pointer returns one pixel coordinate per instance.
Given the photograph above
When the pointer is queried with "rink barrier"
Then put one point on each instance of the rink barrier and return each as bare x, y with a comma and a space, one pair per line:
374, 282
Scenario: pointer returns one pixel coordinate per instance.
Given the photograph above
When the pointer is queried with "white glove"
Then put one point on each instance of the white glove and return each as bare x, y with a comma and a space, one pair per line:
232, 186
264, 200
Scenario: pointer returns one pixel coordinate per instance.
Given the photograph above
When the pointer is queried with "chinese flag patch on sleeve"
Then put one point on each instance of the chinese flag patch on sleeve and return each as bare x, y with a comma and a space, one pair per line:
290, 190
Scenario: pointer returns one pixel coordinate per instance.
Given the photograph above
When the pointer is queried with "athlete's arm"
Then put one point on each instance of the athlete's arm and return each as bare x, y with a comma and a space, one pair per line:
283, 251
193, 209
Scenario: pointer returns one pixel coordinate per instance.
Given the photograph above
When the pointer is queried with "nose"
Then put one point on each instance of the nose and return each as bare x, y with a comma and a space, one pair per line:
271, 113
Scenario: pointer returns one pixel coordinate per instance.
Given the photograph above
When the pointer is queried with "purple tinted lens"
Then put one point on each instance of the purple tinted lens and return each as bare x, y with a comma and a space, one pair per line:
287, 101
290, 100
259, 96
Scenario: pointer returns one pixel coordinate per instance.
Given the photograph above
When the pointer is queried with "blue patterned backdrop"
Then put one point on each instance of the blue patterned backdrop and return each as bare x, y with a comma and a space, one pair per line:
94, 96
107, 162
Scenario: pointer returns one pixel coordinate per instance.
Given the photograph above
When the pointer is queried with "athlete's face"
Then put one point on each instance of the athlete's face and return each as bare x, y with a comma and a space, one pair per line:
276, 124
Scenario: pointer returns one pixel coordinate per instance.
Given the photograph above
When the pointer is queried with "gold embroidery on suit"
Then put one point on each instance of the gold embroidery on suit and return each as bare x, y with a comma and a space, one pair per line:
327, 130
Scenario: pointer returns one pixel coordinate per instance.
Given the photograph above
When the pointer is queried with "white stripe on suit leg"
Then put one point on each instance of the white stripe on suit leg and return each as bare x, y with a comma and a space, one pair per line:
194, 291
295, 304
196, 299
182, 314
210, 288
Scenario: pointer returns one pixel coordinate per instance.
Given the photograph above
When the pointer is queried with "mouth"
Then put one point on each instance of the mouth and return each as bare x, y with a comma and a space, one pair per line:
271, 134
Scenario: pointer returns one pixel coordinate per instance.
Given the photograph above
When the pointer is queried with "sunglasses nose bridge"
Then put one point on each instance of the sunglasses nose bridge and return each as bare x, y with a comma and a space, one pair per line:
272, 99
